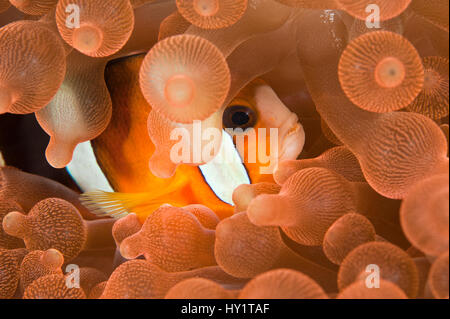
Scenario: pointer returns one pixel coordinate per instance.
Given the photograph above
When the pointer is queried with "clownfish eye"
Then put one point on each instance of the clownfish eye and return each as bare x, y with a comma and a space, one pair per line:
239, 116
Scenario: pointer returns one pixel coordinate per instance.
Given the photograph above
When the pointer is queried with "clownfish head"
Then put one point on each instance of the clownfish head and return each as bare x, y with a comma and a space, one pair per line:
112, 170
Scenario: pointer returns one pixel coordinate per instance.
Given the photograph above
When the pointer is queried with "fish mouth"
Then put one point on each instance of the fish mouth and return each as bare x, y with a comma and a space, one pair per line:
293, 139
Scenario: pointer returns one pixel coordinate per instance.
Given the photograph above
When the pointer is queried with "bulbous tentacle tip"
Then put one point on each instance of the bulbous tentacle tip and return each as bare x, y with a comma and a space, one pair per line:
437, 282
59, 154
225, 228
31, 72
162, 167
206, 8
433, 101
264, 210
103, 30
245, 193
14, 224
284, 170
129, 248
52, 287
212, 14
381, 80
126, 227
87, 39
282, 283
179, 90
360, 290
390, 72
53, 258
198, 288
185, 78
395, 265
242, 196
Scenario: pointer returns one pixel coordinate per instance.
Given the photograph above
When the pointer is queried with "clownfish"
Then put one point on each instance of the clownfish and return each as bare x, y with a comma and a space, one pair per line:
112, 170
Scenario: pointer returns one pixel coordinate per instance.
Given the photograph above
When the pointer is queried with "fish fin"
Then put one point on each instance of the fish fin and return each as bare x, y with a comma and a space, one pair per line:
119, 205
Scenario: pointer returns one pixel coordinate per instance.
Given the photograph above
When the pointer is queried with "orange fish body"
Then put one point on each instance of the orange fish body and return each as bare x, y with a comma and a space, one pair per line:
124, 149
